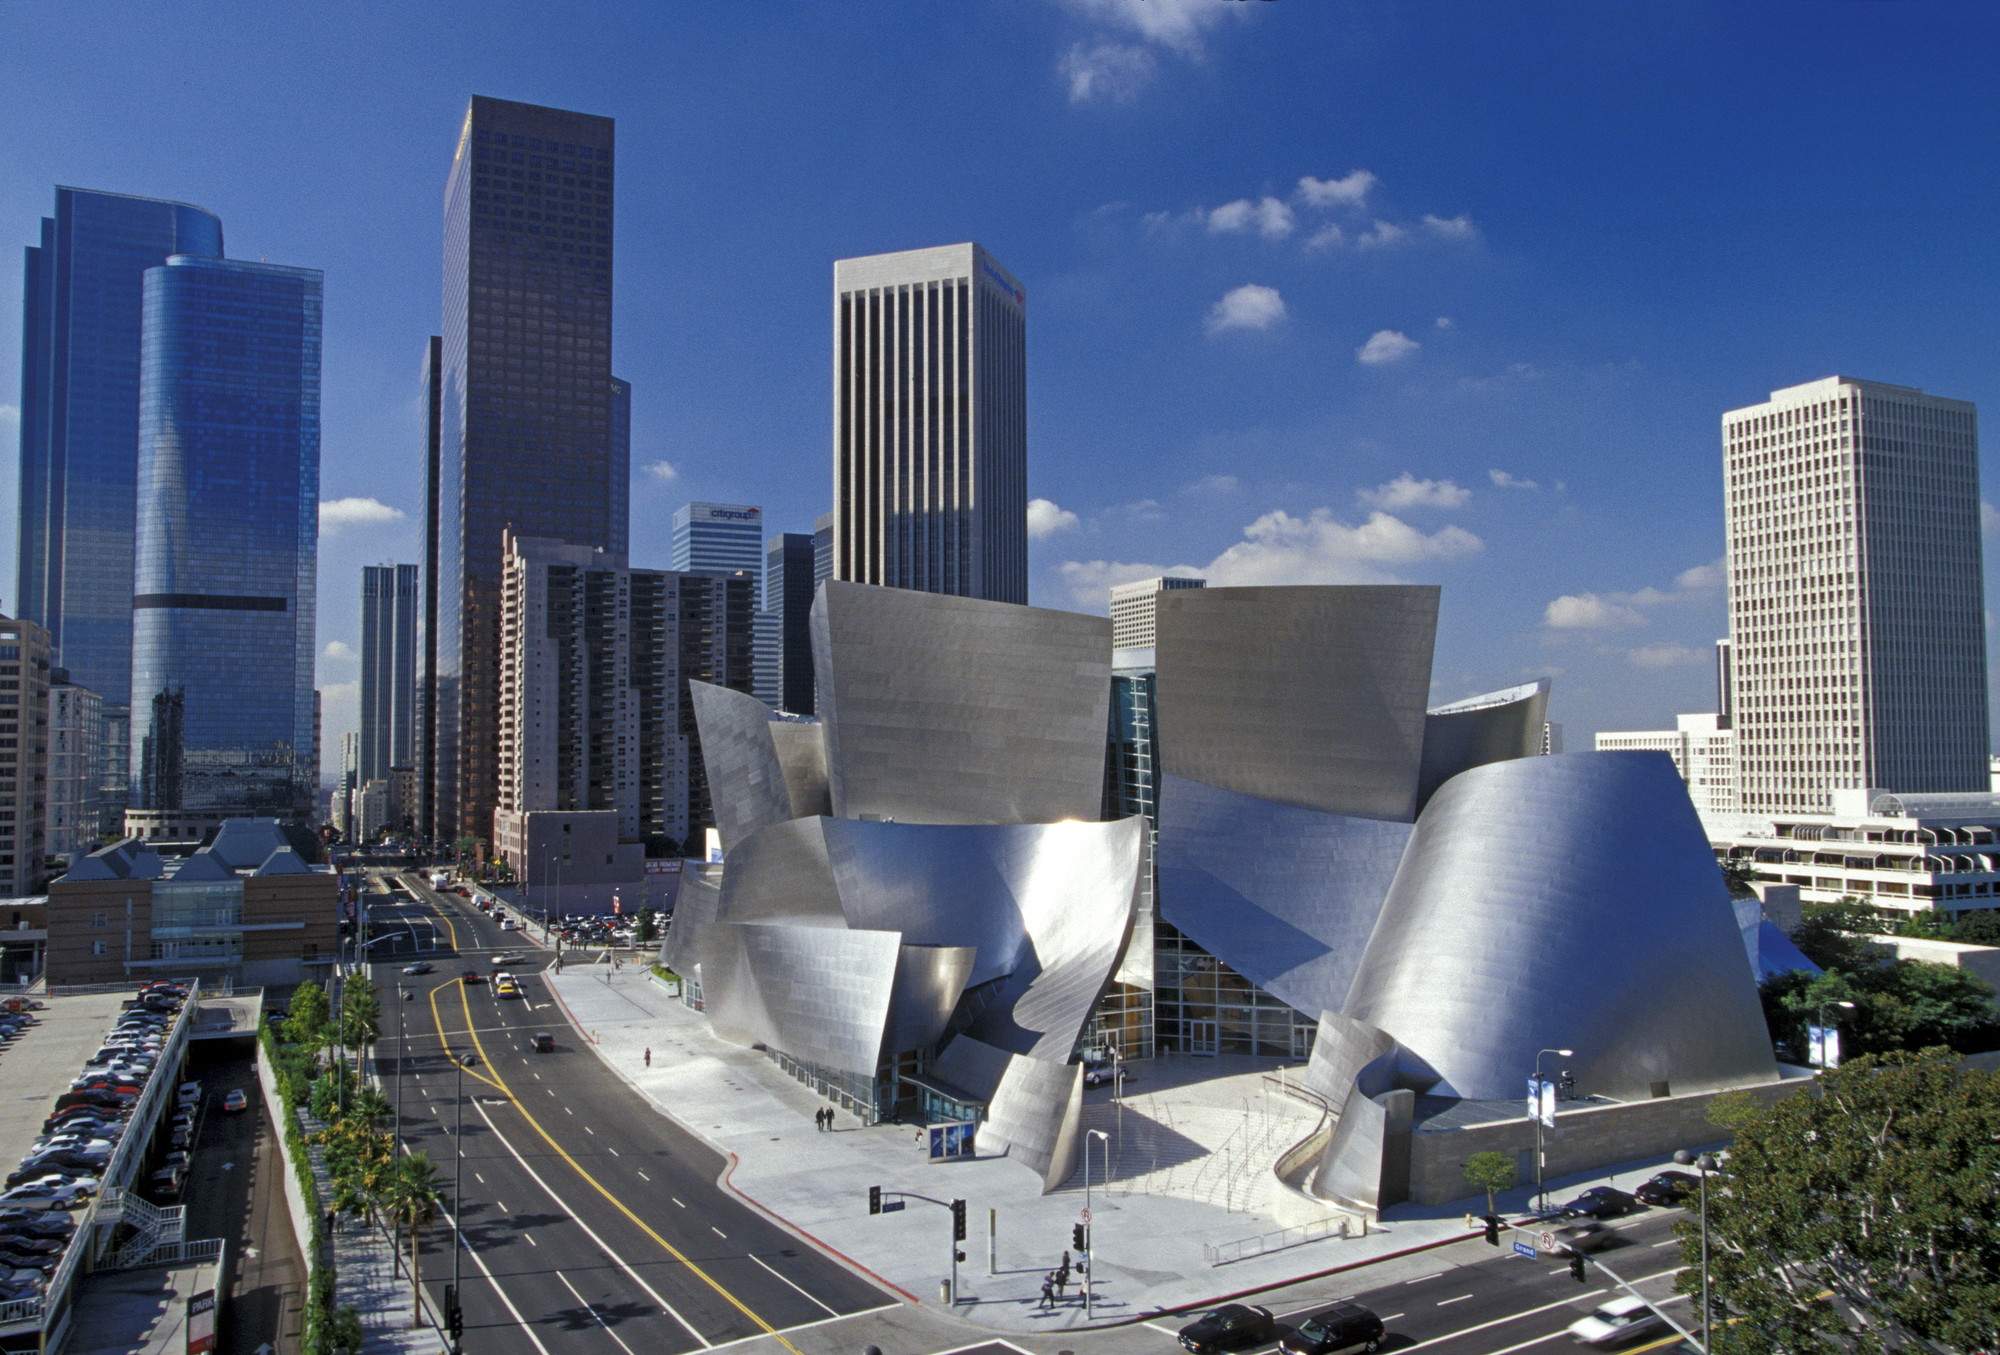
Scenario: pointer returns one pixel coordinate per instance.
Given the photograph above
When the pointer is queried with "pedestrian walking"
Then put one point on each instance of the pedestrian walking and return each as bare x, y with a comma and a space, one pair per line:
1048, 1295
819, 1120
649, 1056
1062, 1274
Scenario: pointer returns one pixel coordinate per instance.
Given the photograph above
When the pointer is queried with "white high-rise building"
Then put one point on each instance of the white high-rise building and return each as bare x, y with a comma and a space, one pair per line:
1703, 748
1135, 609
930, 445
1856, 611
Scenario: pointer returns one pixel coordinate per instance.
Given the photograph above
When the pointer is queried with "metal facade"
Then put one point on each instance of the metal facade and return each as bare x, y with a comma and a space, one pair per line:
1479, 730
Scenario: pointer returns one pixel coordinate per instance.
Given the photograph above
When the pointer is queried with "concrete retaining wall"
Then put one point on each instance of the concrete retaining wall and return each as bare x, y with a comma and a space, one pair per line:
296, 1206
1583, 1139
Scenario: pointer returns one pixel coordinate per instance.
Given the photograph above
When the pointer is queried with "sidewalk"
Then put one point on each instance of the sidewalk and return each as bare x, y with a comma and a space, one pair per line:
1150, 1247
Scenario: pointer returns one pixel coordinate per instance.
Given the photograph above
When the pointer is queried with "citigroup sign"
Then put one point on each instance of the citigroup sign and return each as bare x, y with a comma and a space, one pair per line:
733, 514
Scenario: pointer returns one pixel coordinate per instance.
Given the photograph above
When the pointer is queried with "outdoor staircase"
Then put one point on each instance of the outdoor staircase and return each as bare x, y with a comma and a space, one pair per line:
155, 1228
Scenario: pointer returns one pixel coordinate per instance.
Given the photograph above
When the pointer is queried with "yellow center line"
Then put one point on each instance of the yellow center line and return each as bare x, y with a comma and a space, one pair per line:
500, 1085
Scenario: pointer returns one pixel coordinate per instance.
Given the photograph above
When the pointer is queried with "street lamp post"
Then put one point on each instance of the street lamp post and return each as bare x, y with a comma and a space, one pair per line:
1704, 1164
1090, 1220
1541, 1149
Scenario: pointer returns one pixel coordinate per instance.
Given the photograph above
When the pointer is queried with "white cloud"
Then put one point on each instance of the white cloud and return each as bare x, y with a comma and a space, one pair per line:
1505, 480
1989, 516
1384, 234
1280, 548
339, 651
1385, 346
1174, 24
1451, 227
1213, 484
1349, 191
663, 471
1445, 322
1702, 577
1664, 655
1329, 236
1407, 491
1115, 71
1269, 217
337, 514
1589, 611
1046, 519
1251, 306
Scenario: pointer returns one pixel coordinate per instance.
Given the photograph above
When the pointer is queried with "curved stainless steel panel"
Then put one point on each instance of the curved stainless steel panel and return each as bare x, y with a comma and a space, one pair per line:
780, 873
929, 982
943, 709
1564, 902
824, 992
1309, 696
1481, 729
746, 782
801, 746
1286, 897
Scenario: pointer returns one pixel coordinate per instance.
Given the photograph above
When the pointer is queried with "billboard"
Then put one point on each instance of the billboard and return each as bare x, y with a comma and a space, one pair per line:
201, 1322
1823, 1046
1542, 1100
953, 1142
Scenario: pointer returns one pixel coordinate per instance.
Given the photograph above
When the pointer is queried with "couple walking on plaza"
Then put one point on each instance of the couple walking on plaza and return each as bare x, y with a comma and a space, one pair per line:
823, 1119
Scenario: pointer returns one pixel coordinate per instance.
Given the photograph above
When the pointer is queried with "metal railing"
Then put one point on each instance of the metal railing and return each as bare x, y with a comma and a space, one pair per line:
1340, 1225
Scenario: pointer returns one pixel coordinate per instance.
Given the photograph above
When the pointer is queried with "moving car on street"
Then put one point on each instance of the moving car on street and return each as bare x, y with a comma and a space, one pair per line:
1342, 1327
1234, 1326
1616, 1321
420, 967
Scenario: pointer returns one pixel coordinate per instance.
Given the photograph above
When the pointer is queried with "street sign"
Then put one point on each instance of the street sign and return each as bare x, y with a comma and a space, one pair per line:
1086, 1216
1524, 1249
1548, 1241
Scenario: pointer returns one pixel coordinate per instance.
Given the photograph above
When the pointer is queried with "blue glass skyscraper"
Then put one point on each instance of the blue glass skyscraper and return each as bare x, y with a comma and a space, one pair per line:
80, 429
228, 529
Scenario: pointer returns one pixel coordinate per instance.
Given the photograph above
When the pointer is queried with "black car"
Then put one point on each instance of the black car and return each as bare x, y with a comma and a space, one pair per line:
1668, 1188
1233, 1326
1344, 1326
543, 1042
1600, 1202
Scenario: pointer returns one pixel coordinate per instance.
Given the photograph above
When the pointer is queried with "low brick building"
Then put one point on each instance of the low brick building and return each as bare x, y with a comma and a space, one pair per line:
246, 908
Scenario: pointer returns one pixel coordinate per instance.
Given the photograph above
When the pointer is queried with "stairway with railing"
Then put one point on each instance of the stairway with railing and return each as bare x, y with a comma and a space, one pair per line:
155, 1228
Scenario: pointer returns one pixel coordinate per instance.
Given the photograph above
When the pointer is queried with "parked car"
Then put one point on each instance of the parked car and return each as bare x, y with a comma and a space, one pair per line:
420, 967
189, 1091
1230, 1327
166, 1182
236, 1100
1668, 1188
1617, 1320
34, 1223
34, 1246
507, 924
543, 1042
1344, 1326
20, 1260
44, 1197
1097, 1074
1600, 1202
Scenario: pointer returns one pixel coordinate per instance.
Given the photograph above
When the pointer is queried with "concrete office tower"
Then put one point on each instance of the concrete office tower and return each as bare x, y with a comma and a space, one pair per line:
80, 431
768, 657
1703, 748
390, 602
527, 403
930, 447
344, 805
76, 773
788, 595
228, 537
718, 538
1134, 605
1856, 609
24, 754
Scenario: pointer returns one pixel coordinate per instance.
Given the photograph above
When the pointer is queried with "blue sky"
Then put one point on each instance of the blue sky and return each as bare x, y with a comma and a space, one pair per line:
1448, 291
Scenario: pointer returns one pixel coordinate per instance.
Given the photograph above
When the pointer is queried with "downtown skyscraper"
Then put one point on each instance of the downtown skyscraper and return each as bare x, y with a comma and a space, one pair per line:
81, 318
390, 601
1857, 654
525, 409
930, 444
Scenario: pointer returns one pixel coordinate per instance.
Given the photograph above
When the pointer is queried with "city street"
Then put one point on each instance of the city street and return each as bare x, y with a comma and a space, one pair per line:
587, 1216
591, 1217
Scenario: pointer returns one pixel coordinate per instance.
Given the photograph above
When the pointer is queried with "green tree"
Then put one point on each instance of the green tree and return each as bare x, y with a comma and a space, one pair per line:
307, 1024
1882, 1188
1834, 935
467, 848
1738, 873
1490, 1172
1980, 927
1932, 926
410, 1199
360, 1012
343, 1331
648, 929
1909, 1004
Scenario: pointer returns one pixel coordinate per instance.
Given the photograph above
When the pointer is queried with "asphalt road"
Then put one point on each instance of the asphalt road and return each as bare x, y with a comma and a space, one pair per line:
592, 1222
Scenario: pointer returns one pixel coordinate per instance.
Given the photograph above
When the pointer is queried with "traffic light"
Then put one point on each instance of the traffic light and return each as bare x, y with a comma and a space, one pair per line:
874, 1199
1492, 1230
958, 1220
454, 1315
1576, 1268
1079, 1240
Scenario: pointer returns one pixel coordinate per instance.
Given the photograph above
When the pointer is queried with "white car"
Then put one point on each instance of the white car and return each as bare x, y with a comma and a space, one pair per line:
45, 1197
1621, 1319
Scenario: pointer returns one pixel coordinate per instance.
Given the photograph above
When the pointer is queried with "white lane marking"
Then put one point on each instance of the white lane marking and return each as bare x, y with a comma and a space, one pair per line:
1530, 1312
588, 1130
1390, 1318
502, 1206
788, 1280
1157, 1327
591, 1308
480, 1261
1537, 1341
808, 1326
613, 1151
1670, 1242
1421, 1278
566, 1109
1460, 1299
531, 1239
675, 1198
718, 1232
644, 1177
481, 1179
590, 1232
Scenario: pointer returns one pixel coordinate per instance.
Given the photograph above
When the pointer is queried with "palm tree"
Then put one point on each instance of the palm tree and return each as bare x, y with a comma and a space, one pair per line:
410, 1199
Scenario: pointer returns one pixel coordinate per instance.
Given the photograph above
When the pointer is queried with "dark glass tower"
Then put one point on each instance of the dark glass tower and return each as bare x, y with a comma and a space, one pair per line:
428, 767
526, 402
228, 531
389, 604
80, 432
788, 592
